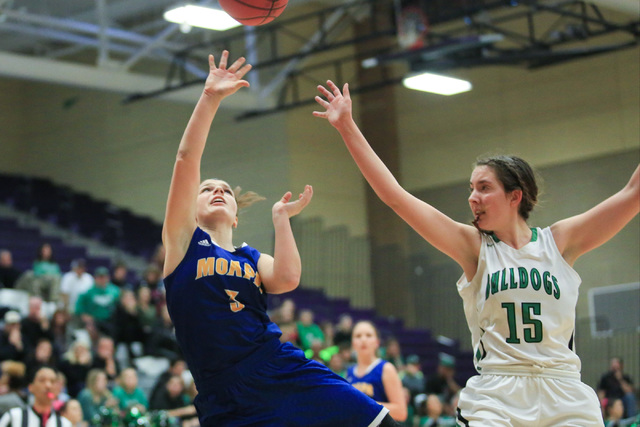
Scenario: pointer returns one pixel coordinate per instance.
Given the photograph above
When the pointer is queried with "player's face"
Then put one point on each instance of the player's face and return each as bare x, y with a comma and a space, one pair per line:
364, 339
488, 201
216, 199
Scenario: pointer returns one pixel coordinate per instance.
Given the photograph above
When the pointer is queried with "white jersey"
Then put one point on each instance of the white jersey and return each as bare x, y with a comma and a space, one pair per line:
520, 306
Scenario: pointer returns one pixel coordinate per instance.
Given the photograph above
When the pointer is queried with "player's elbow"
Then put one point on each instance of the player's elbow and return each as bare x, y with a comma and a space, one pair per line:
399, 412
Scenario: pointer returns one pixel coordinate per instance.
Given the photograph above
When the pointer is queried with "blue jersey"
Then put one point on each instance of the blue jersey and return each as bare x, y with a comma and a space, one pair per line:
371, 382
218, 306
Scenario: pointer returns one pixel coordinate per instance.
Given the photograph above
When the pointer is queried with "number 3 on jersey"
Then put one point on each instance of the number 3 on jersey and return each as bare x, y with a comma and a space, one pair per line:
235, 305
530, 334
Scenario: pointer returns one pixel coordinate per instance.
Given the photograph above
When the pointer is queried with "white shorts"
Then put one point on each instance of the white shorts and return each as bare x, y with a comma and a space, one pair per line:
528, 400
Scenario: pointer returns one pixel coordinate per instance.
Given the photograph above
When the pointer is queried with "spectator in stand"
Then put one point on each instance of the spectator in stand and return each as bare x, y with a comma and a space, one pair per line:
43, 355
104, 358
60, 391
128, 322
128, 393
412, 378
61, 331
148, 312
343, 330
96, 394
174, 399
336, 364
432, 413
393, 354
72, 410
75, 283
615, 384
162, 340
158, 256
443, 382
285, 318
308, 331
348, 355
177, 367
613, 412
152, 278
119, 276
41, 413
46, 274
12, 384
8, 273
13, 346
75, 365
36, 325
96, 306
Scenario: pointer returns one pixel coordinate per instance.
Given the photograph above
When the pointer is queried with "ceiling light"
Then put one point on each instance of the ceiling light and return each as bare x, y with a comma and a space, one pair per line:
435, 83
200, 16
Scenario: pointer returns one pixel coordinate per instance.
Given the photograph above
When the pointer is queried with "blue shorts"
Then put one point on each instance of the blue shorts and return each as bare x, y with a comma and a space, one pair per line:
279, 387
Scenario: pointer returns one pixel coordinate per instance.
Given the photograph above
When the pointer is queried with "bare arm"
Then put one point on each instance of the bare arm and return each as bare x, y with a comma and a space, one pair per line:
180, 216
459, 241
579, 234
281, 273
396, 405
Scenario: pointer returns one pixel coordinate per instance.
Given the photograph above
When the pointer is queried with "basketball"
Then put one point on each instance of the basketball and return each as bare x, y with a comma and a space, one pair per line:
253, 12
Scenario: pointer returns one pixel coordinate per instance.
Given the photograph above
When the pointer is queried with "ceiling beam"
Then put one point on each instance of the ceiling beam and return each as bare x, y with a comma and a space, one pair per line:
110, 80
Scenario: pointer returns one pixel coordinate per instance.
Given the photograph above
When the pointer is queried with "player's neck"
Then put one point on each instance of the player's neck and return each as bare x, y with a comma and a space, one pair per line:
517, 235
221, 236
366, 360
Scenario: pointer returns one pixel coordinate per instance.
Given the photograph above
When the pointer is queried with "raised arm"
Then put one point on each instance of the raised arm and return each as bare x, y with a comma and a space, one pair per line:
459, 241
579, 234
180, 216
281, 273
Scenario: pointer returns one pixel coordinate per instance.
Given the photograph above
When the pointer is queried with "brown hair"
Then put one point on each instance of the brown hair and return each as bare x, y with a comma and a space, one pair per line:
247, 198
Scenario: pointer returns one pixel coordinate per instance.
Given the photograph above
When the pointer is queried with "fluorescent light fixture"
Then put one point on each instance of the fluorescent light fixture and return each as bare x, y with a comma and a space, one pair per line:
435, 83
200, 16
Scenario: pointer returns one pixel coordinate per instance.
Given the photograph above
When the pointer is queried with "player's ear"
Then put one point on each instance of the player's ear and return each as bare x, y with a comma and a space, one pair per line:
235, 223
515, 197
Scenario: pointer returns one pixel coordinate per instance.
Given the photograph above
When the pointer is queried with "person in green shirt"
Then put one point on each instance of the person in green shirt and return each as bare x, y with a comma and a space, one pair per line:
308, 331
128, 393
46, 274
96, 306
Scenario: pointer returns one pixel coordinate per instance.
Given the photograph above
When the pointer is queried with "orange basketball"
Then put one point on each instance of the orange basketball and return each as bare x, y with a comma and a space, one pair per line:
253, 12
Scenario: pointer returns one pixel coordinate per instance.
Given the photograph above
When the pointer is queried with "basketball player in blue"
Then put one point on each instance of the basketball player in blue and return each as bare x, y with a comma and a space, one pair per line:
216, 296
374, 376
518, 286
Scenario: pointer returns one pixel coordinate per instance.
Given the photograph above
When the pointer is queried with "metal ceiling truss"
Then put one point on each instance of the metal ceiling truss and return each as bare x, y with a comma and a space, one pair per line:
490, 33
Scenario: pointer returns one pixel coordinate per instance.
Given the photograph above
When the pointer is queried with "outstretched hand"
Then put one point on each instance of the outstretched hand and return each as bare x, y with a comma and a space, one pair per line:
337, 104
286, 206
223, 81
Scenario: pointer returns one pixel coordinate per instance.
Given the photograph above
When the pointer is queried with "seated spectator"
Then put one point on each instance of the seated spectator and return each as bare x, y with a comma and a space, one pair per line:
412, 378
152, 279
174, 399
432, 413
285, 318
13, 346
443, 382
43, 355
119, 277
104, 358
393, 354
12, 383
61, 331
41, 412
158, 257
96, 306
162, 340
8, 273
46, 275
36, 325
75, 283
613, 412
72, 410
75, 365
96, 395
128, 393
128, 322
59, 389
347, 354
177, 367
343, 330
615, 384
308, 331
148, 311
336, 364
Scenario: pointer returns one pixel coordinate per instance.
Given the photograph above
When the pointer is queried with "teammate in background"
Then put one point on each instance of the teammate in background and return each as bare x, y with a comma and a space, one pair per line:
374, 376
216, 296
518, 287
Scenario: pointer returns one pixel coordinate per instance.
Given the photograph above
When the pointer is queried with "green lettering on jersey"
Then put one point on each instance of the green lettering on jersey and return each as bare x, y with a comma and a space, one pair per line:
503, 282
536, 280
524, 277
495, 278
512, 279
546, 282
556, 288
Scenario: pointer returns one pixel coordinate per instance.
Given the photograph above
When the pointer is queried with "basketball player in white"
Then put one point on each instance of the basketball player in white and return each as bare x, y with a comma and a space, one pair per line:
519, 288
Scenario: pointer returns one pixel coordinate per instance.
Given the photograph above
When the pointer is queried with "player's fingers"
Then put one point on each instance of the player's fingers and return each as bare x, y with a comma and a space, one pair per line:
223, 60
345, 91
212, 62
237, 64
244, 70
322, 102
333, 88
321, 114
